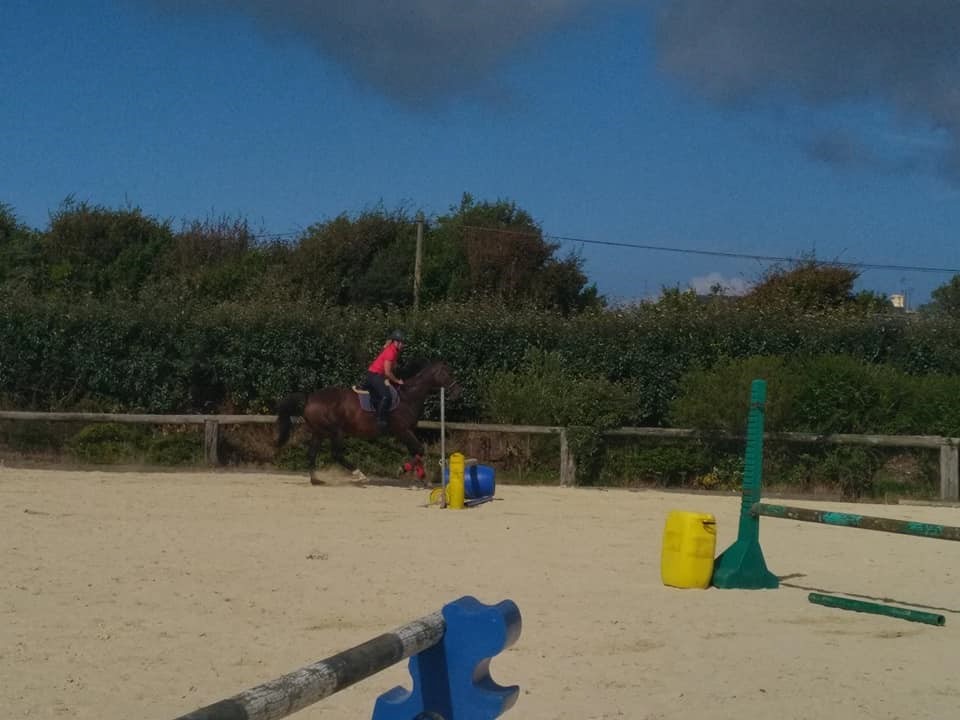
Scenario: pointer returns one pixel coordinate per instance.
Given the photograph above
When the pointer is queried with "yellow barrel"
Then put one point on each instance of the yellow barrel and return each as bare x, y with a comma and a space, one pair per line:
455, 486
689, 544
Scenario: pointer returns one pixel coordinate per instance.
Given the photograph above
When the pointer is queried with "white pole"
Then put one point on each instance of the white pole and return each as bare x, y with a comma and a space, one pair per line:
443, 447
418, 261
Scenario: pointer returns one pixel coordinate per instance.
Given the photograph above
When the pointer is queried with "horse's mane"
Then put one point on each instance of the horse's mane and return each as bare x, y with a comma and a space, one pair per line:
417, 371
414, 366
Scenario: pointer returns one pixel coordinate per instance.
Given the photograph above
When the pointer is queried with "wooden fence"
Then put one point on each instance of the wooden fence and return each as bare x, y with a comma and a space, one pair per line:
949, 447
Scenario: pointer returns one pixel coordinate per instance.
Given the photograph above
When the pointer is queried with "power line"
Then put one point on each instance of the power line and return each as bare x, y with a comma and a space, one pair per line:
767, 258
720, 253
680, 250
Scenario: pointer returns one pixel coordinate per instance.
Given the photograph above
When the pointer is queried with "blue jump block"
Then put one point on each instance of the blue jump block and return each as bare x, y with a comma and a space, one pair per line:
451, 680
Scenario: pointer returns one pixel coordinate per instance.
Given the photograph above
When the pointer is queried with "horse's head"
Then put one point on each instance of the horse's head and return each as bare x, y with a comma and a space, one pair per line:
433, 376
442, 377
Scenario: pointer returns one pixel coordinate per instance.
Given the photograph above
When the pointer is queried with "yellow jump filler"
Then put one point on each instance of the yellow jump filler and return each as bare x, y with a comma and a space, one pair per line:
689, 542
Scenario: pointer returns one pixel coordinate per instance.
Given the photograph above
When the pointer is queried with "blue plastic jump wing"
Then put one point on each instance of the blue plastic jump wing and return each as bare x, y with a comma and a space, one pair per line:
451, 680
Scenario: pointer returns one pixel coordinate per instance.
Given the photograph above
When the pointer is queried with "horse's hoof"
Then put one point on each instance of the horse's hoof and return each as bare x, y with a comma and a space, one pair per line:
316, 481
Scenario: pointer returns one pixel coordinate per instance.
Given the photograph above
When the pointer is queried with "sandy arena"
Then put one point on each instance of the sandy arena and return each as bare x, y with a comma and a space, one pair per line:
149, 595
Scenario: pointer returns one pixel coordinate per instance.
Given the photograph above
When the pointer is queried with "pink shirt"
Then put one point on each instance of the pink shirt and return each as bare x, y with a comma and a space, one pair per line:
391, 353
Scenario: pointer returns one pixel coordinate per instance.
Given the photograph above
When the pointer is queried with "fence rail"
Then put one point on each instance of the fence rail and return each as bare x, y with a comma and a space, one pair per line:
949, 447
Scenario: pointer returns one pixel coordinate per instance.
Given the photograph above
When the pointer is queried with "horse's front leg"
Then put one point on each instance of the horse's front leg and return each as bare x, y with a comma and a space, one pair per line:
415, 448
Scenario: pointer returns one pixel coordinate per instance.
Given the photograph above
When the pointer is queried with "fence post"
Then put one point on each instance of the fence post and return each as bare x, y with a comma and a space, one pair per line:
949, 471
568, 464
211, 442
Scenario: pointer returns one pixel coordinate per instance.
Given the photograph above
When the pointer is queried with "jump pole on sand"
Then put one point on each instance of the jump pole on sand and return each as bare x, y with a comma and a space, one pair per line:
876, 609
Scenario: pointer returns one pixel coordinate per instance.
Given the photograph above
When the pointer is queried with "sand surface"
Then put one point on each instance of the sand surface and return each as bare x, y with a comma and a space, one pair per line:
148, 595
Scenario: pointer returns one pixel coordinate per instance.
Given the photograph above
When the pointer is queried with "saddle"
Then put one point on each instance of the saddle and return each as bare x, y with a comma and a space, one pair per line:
366, 403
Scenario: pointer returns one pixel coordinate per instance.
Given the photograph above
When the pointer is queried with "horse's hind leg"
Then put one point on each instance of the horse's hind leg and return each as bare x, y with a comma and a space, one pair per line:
312, 451
337, 450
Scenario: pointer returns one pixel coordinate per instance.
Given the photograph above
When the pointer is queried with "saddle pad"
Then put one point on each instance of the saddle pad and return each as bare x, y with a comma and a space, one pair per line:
367, 405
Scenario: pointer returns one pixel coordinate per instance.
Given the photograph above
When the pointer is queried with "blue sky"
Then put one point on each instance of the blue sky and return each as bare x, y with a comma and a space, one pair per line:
768, 128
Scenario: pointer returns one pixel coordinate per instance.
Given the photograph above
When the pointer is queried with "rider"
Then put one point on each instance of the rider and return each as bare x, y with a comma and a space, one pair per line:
381, 370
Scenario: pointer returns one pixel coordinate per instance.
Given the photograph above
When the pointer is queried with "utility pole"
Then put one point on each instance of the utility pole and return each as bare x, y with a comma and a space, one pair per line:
418, 262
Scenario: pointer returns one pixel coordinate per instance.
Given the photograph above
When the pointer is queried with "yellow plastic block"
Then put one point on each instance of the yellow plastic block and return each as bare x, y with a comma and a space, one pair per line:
689, 545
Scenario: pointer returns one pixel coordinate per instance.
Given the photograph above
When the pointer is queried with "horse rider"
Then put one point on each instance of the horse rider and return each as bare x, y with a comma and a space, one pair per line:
381, 370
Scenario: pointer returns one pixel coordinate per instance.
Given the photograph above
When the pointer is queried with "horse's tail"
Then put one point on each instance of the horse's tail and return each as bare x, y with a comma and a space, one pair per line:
291, 406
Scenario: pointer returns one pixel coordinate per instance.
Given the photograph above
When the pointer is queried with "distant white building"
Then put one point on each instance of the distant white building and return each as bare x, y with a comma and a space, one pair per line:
898, 300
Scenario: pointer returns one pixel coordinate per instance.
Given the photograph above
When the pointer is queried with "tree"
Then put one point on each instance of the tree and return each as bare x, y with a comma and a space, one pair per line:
97, 251
366, 260
19, 250
220, 260
813, 286
562, 285
497, 249
478, 249
946, 298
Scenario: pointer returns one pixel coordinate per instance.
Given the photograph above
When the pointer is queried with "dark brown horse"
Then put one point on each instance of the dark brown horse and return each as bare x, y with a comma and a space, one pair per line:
335, 413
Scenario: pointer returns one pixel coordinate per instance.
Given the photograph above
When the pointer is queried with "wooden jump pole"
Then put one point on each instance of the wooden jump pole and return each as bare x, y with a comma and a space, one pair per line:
296, 690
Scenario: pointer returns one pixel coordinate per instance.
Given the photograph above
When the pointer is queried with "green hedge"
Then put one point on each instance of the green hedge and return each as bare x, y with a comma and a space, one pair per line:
651, 365
165, 356
820, 394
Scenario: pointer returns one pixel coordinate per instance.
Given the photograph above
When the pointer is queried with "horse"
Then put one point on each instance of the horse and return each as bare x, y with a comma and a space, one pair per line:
334, 413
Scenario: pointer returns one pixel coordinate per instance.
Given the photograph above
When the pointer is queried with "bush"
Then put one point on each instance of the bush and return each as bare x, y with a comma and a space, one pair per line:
839, 394
175, 448
545, 391
823, 395
717, 399
30, 437
109, 443
851, 470
665, 465
121, 443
